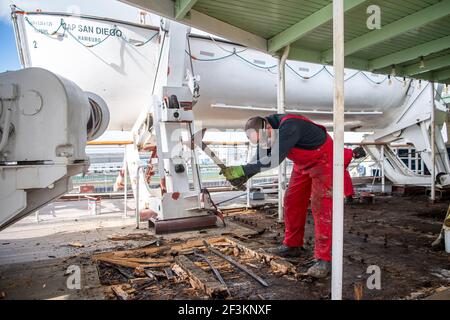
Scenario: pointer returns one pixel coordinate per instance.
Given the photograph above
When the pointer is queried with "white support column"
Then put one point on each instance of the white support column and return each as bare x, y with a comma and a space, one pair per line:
416, 162
281, 108
125, 179
338, 150
249, 181
409, 158
138, 212
433, 145
383, 180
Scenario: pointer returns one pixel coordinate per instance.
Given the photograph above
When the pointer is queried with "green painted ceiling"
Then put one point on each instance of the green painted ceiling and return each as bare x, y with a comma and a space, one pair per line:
421, 27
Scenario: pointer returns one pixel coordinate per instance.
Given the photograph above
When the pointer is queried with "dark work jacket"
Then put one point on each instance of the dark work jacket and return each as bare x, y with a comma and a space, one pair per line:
292, 133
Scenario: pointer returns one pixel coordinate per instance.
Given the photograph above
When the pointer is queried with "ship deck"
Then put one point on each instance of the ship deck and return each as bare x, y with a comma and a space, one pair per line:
393, 233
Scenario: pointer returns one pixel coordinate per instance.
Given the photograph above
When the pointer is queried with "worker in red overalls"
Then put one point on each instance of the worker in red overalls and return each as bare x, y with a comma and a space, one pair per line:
310, 147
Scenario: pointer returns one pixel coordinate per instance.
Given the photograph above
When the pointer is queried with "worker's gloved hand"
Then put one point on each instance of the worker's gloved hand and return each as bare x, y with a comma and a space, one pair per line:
236, 176
239, 183
233, 173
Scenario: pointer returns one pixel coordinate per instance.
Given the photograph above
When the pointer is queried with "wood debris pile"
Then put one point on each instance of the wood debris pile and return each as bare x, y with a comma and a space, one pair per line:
215, 267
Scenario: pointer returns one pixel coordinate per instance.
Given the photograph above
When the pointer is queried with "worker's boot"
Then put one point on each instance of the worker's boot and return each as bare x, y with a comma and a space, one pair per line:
349, 200
439, 244
320, 269
285, 251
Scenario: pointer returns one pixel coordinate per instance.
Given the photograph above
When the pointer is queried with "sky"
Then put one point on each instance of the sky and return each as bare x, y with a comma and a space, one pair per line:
9, 60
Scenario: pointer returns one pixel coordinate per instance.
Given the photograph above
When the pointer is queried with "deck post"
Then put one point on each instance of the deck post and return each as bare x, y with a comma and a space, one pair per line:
383, 179
281, 108
249, 181
433, 145
338, 150
138, 215
125, 179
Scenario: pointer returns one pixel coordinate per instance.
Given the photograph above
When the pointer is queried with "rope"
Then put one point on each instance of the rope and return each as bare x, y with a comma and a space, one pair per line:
87, 45
254, 64
226, 50
269, 68
375, 82
208, 60
192, 57
304, 77
66, 30
159, 61
138, 44
235, 53
49, 35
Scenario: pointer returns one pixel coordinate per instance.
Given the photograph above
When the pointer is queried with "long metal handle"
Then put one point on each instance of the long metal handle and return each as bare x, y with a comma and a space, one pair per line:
214, 269
236, 264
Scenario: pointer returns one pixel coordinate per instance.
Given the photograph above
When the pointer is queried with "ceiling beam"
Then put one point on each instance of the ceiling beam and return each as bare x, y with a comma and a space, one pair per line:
441, 75
298, 30
182, 7
418, 68
437, 76
166, 8
312, 56
415, 20
412, 53
428, 65
304, 55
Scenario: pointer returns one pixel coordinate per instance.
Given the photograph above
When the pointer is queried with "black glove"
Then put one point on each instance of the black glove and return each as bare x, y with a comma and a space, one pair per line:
239, 183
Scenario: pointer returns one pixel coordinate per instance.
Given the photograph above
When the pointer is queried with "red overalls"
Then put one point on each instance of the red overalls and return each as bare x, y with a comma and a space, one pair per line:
311, 178
348, 185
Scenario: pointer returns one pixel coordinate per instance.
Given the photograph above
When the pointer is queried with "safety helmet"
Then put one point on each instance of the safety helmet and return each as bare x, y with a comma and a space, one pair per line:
256, 127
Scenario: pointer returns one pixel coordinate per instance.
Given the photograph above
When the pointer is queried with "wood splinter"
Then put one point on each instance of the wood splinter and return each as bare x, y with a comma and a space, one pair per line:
199, 279
276, 263
120, 293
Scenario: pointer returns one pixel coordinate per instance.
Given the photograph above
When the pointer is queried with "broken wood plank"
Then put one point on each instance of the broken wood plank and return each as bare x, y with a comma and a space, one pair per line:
160, 261
169, 273
279, 265
181, 274
120, 293
441, 293
139, 282
122, 263
132, 236
131, 264
358, 290
158, 274
179, 248
199, 279
139, 272
276, 263
150, 274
